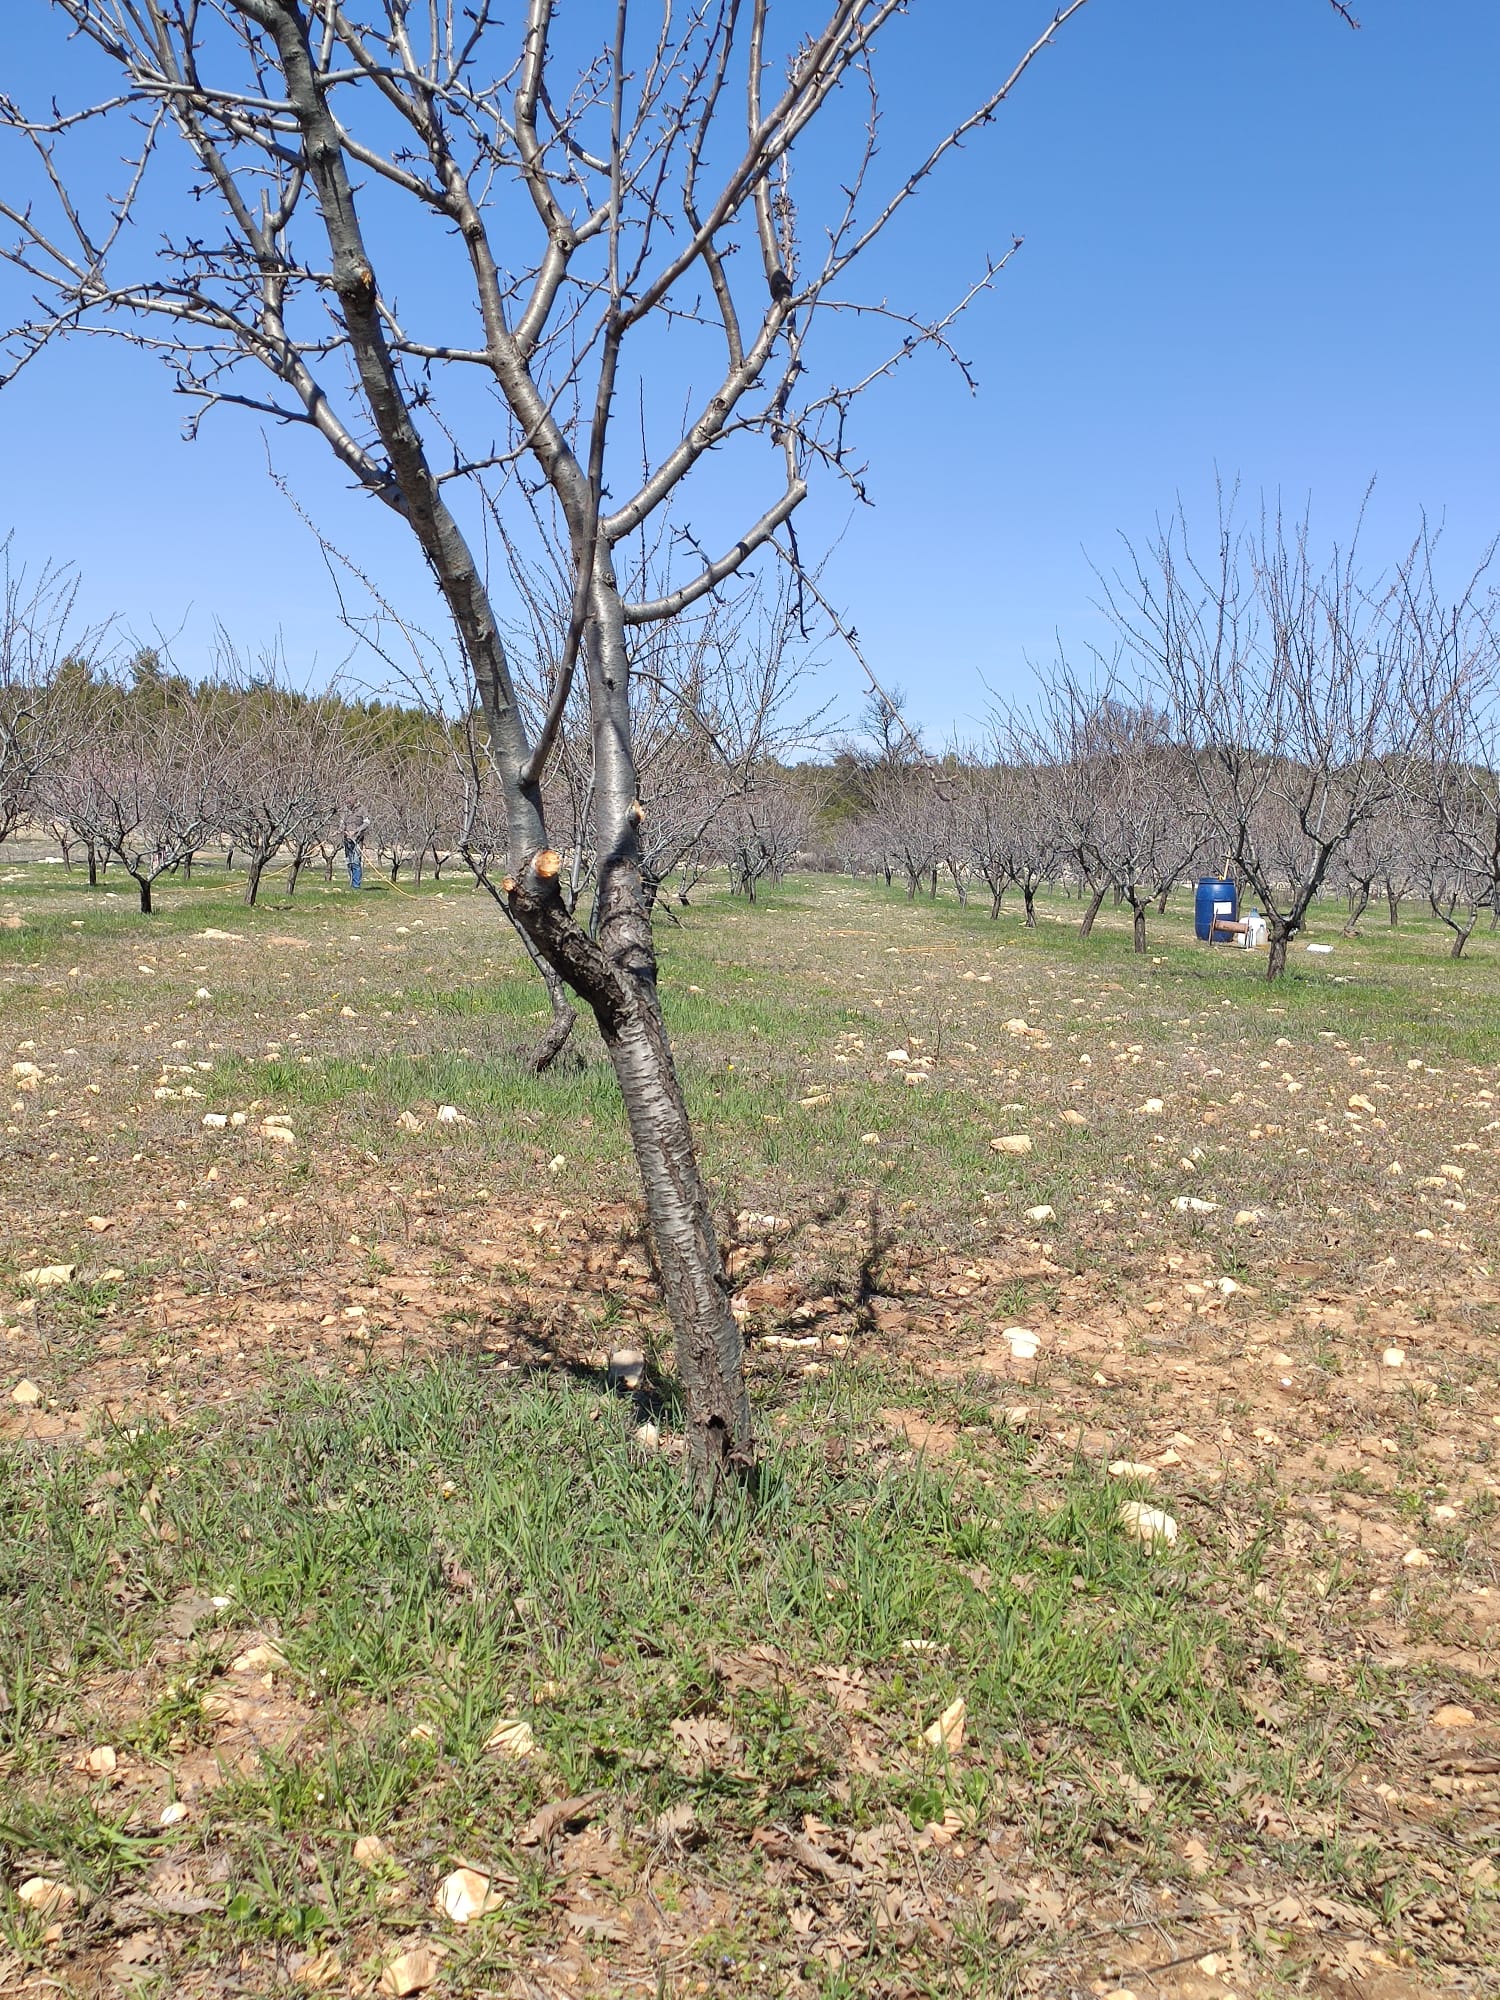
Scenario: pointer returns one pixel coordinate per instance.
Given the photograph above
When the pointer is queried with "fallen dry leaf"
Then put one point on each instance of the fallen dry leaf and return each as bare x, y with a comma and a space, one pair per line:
552, 1818
1452, 1716
320, 1972
42, 1277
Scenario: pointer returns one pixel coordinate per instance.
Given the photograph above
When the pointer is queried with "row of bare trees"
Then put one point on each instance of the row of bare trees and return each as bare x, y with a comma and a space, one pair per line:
143, 769
1288, 716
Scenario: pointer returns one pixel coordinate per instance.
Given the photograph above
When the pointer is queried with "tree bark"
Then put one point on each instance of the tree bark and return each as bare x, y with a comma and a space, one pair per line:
1138, 925
1276, 963
93, 866
1029, 894
1096, 902
252, 879
143, 883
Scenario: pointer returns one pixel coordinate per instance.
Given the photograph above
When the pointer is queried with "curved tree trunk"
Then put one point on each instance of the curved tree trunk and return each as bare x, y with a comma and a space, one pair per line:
253, 873
1095, 904
1276, 963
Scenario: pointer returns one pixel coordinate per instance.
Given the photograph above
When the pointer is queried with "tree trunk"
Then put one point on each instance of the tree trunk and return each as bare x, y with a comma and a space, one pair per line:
710, 1349
1461, 936
1029, 893
1359, 902
187, 867
1393, 904
93, 866
293, 871
1163, 899
252, 878
143, 883
1138, 925
1276, 963
1096, 901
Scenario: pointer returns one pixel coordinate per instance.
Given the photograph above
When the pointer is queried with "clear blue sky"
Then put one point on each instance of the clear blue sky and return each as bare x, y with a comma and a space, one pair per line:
1255, 241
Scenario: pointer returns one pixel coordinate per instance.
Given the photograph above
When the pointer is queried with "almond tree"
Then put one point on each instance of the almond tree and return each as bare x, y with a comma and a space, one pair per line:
1120, 785
712, 173
42, 675
1293, 681
139, 783
278, 759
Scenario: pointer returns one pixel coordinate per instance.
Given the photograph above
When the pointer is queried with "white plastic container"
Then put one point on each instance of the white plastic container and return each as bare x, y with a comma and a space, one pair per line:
1255, 933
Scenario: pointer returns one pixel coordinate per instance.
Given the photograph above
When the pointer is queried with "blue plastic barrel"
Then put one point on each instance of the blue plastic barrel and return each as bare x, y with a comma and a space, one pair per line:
1210, 900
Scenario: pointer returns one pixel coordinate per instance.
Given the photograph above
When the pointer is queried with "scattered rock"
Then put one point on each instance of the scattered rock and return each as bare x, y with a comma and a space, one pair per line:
26, 1393
512, 1739
370, 1851
449, 1114
46, 1897
465, 1895
1023, 1343
44, 1277
259, 1659
1014, 1142
1043, 1212
626, 1368
947, 1733
412, 1971
1147, 1524
1452, 1716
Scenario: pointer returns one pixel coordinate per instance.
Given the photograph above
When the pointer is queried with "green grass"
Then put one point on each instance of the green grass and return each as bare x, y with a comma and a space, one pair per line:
437, 1552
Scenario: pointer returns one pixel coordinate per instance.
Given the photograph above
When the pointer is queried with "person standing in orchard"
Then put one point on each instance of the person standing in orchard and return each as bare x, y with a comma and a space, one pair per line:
353, 827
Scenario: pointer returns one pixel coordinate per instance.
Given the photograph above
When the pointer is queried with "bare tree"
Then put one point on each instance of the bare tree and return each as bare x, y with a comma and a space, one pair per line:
592, 198
1291, 682
44, 651
1120, 784
139, 782
1455, 813
277, 760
